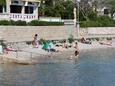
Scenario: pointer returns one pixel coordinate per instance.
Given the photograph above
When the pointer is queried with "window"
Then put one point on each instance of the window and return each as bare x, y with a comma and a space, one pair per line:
106, 11
28, 10
1, 9
15, 9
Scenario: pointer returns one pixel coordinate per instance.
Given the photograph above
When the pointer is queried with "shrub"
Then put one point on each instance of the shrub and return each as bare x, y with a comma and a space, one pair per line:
109, 38
71, 39
97, 39
90, 24
4, 22
12, 22
20, 23
42, 41
62, 41
100, 21
44, 23
32, 23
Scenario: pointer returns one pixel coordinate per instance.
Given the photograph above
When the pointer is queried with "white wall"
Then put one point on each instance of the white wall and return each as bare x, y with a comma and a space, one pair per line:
4, 16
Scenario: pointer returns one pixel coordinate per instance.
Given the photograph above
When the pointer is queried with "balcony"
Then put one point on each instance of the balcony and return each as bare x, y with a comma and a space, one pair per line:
23, 17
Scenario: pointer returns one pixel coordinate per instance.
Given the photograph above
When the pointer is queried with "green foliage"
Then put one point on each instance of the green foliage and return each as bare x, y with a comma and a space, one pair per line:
44, 23
100, 21
57, 8
42, 41
68, 10
4, 22
109, 38
2, 2
97, 39
92, 15
32, 23
89, 24
64, 8
49, 11
105, 21
71, 39
20, 23
111, 5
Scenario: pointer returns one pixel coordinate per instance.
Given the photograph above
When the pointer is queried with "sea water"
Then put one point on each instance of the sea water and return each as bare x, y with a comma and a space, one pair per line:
93, 68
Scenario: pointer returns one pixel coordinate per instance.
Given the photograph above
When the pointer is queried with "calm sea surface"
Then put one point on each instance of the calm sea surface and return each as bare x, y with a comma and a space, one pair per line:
93, 68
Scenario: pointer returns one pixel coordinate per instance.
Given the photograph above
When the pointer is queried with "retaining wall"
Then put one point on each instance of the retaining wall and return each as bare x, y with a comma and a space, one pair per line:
26, 33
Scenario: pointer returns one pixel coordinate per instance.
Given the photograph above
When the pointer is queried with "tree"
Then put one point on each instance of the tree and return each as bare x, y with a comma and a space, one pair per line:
87, 10
111, 4
2, 2
68, 9
57, 8
42, 8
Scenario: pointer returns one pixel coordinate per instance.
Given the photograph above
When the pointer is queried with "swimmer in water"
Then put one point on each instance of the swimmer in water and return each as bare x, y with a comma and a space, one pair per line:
76, 53
77, 49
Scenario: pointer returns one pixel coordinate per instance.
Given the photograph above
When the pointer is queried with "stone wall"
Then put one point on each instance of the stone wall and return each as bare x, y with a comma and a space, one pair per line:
101, 30
26, 33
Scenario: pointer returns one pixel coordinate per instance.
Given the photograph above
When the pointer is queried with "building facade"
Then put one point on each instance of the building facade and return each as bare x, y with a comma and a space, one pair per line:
103, 11
25, 10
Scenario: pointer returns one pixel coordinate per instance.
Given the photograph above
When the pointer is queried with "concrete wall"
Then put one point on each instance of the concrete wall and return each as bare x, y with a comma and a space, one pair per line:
26, 33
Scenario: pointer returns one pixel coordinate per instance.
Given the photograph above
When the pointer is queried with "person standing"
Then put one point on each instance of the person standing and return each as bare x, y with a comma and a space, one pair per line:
36, 41
76, 53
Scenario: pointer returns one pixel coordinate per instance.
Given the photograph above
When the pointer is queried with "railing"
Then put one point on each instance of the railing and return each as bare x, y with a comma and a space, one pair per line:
24, 17
16, 16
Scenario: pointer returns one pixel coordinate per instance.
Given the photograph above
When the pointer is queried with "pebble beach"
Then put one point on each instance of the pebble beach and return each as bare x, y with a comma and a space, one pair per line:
29, 54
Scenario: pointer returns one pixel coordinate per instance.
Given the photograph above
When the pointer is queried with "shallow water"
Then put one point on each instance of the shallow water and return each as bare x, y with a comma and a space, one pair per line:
93, 68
